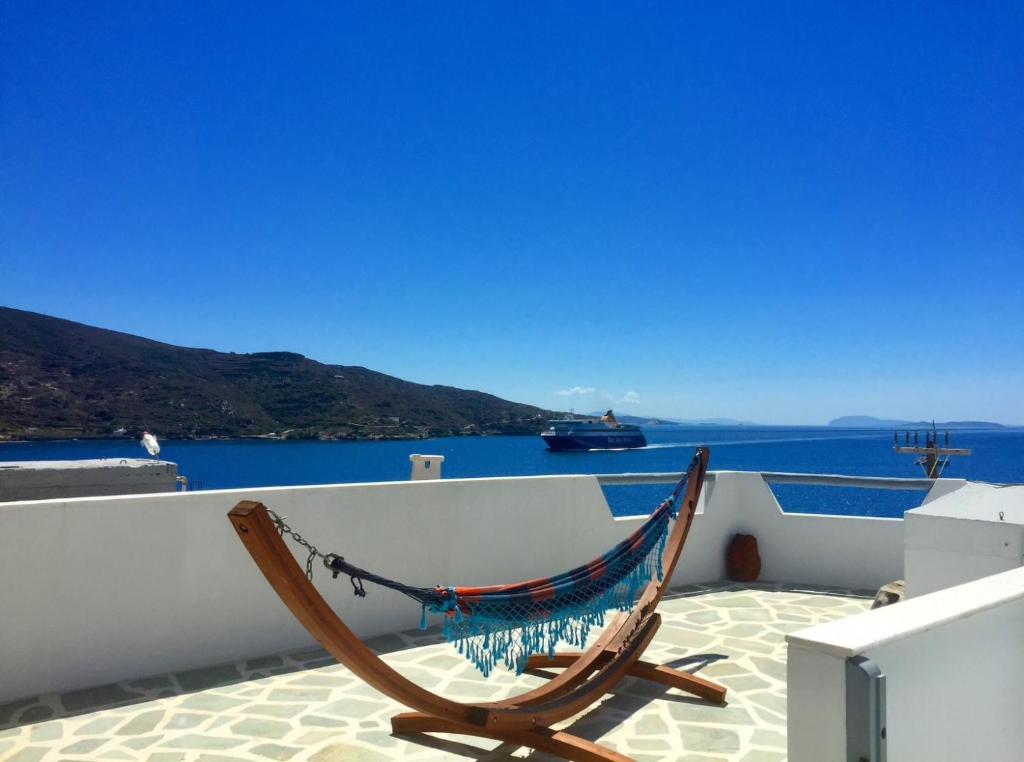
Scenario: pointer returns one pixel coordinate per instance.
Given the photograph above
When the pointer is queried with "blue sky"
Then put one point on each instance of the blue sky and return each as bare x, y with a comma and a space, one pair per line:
772, 212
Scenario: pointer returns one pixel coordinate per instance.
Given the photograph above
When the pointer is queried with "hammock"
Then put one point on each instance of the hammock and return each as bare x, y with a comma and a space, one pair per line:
507, 624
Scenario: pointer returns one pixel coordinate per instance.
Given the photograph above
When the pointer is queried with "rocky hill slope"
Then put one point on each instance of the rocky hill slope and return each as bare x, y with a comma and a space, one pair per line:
59, 378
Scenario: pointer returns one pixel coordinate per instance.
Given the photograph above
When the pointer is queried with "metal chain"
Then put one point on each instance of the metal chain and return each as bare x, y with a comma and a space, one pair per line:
283, 529
336, 565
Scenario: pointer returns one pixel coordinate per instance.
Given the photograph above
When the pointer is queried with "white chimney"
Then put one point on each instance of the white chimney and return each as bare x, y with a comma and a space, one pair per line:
426, 466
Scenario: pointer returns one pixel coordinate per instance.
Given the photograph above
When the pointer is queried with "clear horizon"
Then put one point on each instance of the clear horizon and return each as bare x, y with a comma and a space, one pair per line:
772, 214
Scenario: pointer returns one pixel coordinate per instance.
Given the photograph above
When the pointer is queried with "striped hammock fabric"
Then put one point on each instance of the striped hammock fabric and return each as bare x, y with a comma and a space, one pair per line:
506, 624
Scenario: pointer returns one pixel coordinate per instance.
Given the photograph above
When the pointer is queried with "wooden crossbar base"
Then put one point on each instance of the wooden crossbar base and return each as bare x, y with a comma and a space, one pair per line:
561, 743
556, 742
656, 673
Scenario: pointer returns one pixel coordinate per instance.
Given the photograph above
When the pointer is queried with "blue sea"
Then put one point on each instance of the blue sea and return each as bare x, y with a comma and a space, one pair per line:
998, 457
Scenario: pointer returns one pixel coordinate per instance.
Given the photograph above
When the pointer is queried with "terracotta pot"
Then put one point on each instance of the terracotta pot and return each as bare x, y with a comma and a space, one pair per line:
742, 559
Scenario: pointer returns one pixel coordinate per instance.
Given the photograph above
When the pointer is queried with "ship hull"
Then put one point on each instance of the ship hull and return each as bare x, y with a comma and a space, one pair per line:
577, 442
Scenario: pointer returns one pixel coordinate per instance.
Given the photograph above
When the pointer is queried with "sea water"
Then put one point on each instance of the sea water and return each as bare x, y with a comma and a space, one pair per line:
998, 457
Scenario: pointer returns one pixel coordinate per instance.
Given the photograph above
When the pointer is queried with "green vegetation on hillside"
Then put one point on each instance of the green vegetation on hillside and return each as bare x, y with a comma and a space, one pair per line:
59, 378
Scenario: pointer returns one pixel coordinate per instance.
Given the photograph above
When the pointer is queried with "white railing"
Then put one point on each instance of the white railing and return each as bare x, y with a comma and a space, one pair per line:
780, 477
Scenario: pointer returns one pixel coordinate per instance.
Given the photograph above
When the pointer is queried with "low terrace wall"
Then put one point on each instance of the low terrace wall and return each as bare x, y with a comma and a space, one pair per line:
95, 590
953, 666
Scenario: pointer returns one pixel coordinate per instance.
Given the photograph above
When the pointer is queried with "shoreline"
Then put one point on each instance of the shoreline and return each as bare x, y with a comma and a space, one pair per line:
264, 438
476, 434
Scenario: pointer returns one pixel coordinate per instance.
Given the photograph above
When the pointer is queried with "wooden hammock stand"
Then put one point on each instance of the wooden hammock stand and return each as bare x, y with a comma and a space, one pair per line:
526, 719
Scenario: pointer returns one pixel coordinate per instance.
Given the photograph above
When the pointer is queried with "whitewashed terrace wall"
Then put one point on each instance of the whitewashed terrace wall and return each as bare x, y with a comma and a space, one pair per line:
954, 666
95, 590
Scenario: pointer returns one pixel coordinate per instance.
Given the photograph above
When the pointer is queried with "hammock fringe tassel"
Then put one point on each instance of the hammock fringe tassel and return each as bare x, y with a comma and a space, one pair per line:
507, 628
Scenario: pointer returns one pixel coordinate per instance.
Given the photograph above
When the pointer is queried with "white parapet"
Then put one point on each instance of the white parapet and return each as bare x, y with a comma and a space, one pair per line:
968, 534
96, 590
426, 467
953, 668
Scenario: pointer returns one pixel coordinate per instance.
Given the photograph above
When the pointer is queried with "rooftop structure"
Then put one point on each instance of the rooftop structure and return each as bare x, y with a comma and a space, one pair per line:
46, 479
144, 631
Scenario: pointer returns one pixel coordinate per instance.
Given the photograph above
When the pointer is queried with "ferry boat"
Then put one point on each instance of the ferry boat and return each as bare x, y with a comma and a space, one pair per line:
592, 434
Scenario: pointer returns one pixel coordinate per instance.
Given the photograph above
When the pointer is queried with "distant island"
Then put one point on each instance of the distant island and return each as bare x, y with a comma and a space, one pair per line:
870, 422
711, 422
650, 420
61, 379
633, 420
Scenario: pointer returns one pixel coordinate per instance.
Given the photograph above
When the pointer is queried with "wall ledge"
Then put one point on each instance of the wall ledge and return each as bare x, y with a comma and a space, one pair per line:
860, 633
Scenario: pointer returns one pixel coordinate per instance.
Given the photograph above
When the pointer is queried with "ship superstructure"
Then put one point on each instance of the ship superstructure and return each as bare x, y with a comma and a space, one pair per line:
604, 433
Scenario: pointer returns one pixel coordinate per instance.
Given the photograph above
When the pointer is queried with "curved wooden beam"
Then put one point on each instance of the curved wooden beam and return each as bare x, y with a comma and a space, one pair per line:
680, 531
259, 535
575, 673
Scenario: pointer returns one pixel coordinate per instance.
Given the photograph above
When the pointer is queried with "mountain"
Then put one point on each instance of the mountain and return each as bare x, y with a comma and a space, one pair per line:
59, 378
640, 420
866, 422
712, 422
870, 422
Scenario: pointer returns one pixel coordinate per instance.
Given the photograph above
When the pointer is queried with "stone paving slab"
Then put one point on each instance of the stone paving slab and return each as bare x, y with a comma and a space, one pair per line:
303, 707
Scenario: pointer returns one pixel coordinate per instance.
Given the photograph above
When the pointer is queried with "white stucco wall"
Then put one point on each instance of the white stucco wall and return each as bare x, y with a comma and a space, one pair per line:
954, 667
974, 532
815, 704
845, 551
95, 590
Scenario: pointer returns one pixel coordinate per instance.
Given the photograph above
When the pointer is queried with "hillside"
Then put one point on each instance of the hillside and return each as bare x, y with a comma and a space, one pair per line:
59, 378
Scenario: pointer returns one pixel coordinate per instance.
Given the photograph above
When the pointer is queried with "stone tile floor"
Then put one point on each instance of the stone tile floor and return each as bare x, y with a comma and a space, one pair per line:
303, 707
